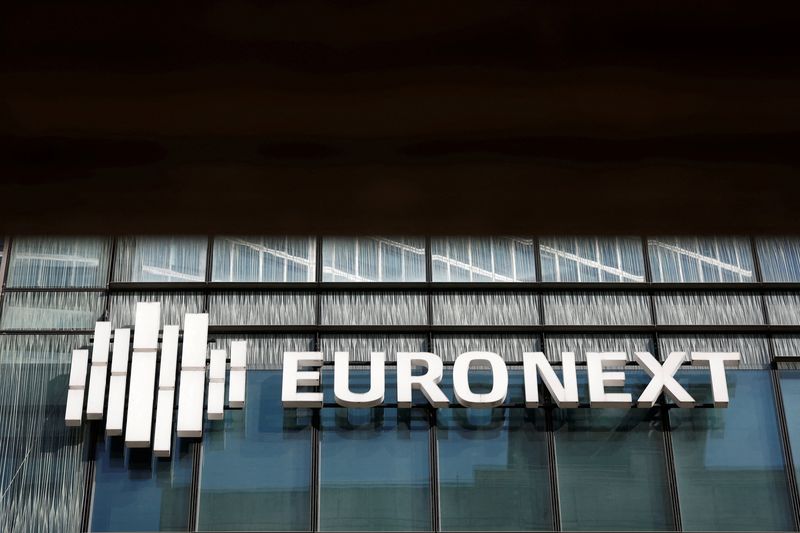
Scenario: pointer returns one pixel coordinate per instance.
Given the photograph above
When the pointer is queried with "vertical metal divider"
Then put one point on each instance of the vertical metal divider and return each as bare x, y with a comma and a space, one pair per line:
4, 271
433, 450
550, 439
783, 427
197, 445
316, 416
666, 430
92, 434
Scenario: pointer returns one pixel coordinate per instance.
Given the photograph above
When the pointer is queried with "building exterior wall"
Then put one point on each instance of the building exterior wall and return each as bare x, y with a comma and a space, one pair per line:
507, 468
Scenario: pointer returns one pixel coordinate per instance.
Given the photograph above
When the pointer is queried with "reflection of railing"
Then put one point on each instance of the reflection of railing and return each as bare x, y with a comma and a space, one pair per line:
591, 263
62, 258
356, 274
470, 250
169, 273
713, 261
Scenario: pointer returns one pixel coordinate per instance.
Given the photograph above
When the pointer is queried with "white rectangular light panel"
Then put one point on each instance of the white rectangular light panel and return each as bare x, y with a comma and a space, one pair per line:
122, 346
74, 407
148, 320
116, 405
119, 376
236, 392
169, 358
216, 385
77, 372
98, 372
140, 399
190, 403
162, 440
195, 341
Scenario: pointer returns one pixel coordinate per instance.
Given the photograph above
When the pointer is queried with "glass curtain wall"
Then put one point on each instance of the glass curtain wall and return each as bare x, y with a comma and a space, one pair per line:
509, 468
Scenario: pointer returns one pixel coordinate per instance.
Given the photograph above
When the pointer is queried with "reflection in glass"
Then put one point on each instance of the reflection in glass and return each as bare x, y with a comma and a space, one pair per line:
493, 472
174, 306
59, 262
596, 308
264, 259
483, 259
592, 259
580, 344
509, 347
485, 308
256, 473
361, 346
42, 462
160, 259
261, 308
374, 470
52, 310
374, 308
700, 259
790, 391
779, 258
388, 259
136, 491
729, 464
754, 349
702, 308
611, 470
783, 308
265, 352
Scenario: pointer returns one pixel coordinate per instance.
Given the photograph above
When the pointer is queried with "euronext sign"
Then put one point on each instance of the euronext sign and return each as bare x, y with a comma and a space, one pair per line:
301, 369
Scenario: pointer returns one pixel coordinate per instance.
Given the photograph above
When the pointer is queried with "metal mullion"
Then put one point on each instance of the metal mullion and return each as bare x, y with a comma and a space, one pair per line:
4, 272
552, 468
194, 495
316, 415
786, 447
90, 435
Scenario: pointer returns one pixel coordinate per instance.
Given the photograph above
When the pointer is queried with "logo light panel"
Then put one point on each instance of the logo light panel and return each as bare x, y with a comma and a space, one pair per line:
138, 379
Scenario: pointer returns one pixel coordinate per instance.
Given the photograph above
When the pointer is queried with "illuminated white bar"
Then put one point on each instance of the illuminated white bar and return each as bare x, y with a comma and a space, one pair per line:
193, 373
143, 375
236, 391
77, 385
117, 385
162, 439
190, 403
216, 385
99, 371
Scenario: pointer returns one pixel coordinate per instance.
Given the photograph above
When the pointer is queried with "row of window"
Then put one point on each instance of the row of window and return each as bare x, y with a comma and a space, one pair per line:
86, 262
41, 310
493, 466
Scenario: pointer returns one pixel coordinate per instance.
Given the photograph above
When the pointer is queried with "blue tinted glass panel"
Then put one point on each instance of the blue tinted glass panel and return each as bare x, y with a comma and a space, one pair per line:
790, 390
493, 472
256, 473
374, 470
729, 462
136, 491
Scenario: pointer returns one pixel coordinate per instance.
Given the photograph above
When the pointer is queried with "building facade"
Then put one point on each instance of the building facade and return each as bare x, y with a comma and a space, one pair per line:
266, 467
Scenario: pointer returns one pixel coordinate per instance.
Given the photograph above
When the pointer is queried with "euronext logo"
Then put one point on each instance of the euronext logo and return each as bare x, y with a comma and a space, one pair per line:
138, 379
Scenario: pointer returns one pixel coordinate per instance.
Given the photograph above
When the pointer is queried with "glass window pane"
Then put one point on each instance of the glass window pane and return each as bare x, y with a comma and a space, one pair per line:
700, 259
59, 262
52, 310
136, 491
174, 306
483, 259
592, 259
596, 308
264, 259
790, 392
612, 471
261, 308
493, 472
387, 259
265, 352
160, 259
374, 470
555, 344
783, 308
256, 473
729, 464
509, 347
704, 308
485, 308
374, 308
42, 462
361, 346
753, 349
779, 258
